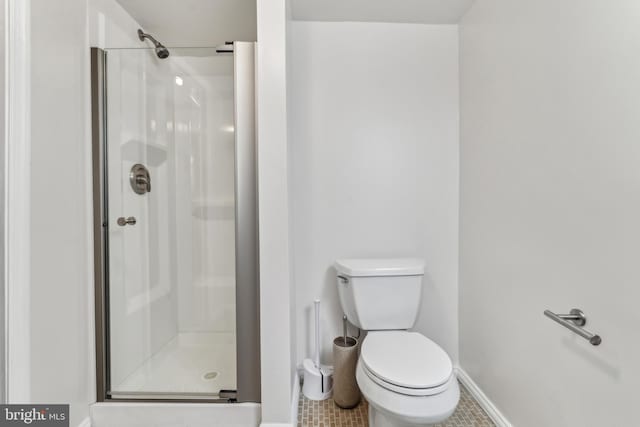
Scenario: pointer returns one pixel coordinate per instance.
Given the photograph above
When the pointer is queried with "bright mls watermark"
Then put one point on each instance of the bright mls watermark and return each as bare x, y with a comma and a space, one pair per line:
34, 415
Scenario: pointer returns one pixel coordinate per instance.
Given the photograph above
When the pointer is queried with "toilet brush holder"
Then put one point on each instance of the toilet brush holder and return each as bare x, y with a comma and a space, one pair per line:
317, 381
346, 393
317, 378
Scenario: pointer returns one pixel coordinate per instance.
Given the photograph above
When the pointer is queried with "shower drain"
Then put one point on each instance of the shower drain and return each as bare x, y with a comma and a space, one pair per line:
210, 375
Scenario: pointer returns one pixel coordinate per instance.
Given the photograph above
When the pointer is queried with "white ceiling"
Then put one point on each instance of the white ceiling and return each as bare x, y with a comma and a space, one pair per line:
195, 22
407, 11
212, 22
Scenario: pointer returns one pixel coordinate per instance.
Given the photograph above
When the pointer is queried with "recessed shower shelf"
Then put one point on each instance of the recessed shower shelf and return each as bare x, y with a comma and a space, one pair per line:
152, 153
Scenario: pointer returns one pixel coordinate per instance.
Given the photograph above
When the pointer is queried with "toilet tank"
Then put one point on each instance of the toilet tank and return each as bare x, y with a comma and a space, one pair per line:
380, 294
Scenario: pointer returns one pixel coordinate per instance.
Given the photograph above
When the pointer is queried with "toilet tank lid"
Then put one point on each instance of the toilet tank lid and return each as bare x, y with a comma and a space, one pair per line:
380, 267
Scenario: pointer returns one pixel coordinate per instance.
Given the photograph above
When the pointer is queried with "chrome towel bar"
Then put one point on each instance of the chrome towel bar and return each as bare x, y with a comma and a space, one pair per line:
573, 321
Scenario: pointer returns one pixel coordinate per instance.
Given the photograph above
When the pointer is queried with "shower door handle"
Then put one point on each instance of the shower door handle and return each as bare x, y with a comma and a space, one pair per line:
122, 221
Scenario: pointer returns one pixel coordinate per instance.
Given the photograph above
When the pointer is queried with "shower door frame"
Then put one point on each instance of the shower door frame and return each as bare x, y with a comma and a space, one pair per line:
246, 236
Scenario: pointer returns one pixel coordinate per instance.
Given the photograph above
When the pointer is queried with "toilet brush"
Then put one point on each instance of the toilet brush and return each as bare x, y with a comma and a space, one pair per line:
318, 379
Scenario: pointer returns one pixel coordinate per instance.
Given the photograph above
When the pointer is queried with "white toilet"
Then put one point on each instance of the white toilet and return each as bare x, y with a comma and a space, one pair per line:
407, 379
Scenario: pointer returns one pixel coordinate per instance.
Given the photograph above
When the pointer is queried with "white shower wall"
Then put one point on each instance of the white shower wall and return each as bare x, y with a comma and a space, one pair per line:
206, 205
142, 261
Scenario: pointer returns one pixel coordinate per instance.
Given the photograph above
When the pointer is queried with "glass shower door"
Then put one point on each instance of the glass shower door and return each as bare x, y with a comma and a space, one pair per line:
170, 184
140, 146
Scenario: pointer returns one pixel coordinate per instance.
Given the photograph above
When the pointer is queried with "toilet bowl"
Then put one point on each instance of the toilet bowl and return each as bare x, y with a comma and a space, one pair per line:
407, 379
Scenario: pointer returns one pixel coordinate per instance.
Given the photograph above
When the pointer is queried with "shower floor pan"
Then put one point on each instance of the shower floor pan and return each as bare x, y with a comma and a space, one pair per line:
192, 363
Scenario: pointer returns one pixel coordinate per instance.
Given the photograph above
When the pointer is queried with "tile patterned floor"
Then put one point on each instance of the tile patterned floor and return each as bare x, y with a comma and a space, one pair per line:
327, 414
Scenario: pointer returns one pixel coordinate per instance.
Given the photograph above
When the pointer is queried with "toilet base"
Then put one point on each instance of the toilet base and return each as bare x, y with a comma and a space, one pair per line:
378, 418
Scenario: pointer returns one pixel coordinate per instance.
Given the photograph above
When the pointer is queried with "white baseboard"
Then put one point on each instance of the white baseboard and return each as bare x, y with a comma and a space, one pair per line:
85, 423
492, 411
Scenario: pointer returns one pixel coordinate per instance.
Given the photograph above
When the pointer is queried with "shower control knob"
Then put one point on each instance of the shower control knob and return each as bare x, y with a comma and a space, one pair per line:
122, 221
140, 179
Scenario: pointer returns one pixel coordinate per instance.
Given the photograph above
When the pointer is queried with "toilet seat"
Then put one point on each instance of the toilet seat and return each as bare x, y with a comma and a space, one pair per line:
406, 362
404, 390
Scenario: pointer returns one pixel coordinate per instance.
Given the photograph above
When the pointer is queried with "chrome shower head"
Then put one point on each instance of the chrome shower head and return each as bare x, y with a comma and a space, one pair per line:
161, 50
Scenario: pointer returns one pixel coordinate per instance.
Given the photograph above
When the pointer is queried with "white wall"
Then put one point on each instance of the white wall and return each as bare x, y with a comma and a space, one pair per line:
2, 206
62, 251
293, 330
276, 339
406, 11
549, 207
374, 164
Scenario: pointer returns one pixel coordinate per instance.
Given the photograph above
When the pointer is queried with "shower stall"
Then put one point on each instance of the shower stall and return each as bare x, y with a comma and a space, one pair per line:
175, 224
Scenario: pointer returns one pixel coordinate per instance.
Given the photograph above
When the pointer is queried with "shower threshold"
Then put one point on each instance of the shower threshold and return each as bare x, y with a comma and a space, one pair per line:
170, 397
